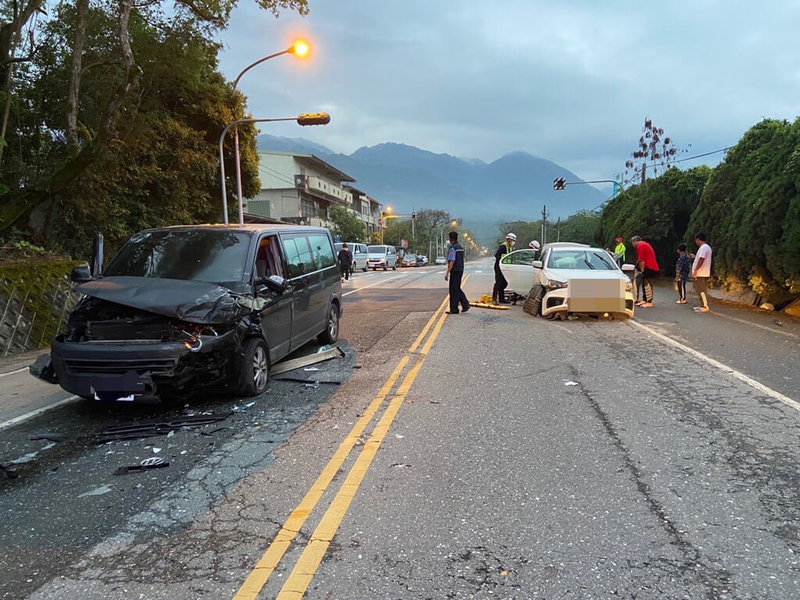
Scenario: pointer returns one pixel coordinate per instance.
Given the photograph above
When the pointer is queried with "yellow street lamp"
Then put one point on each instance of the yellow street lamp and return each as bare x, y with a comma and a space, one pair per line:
299, 48
384, 216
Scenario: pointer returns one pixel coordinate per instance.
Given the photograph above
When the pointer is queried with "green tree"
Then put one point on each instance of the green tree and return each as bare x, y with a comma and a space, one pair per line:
659, 210
347, 227
76, 76
750, 210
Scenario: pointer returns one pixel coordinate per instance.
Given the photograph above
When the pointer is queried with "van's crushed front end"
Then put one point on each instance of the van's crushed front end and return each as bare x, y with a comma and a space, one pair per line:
141, 339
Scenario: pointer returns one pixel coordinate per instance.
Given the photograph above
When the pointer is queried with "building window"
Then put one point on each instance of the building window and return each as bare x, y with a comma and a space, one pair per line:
308, 208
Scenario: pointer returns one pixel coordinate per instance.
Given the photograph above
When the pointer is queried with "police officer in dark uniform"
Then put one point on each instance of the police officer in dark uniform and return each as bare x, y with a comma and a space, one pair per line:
500, 283
455, 271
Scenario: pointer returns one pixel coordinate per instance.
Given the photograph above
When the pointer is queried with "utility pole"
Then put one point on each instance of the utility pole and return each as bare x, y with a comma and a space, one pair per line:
544, 224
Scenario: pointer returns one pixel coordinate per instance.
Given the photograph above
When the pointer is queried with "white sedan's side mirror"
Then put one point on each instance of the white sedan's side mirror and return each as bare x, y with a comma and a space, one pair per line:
537, 264
628, 268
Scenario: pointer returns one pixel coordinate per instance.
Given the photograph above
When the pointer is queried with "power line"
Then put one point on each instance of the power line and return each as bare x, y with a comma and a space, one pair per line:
702, 155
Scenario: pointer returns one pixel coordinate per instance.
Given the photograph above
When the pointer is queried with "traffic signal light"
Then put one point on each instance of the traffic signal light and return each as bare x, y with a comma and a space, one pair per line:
559, 183
313, 119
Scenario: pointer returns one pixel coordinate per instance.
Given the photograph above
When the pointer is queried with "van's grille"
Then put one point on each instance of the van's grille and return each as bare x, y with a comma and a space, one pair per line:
153, 366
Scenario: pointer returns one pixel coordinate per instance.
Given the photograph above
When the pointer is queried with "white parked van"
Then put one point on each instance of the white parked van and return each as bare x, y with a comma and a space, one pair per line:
359, 252
382, 257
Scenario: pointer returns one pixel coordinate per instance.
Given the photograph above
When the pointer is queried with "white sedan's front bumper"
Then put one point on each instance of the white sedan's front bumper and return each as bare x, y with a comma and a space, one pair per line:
590, 296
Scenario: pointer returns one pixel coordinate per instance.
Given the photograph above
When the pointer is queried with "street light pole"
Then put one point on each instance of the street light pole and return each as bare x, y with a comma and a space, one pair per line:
299, 49
302, 119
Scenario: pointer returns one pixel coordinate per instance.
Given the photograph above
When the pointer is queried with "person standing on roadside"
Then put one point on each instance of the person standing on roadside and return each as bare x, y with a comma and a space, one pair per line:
345, 258
682, 268
648, 268
500, 283
455, 271
701, 271
619, 251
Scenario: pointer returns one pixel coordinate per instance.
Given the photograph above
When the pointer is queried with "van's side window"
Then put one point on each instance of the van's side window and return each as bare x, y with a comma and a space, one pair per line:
322, 249
298, 255
268, 258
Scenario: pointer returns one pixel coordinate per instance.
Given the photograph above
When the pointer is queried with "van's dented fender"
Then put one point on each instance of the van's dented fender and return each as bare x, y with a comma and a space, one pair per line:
191, 301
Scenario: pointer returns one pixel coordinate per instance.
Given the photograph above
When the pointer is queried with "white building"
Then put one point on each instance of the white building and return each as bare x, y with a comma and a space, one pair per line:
301, 188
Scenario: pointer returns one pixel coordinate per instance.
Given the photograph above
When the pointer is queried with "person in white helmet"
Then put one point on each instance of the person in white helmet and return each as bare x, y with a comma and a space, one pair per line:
535, 246
500, 283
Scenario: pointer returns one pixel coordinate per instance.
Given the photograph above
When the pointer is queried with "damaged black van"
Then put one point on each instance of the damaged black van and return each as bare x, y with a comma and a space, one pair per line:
197, 308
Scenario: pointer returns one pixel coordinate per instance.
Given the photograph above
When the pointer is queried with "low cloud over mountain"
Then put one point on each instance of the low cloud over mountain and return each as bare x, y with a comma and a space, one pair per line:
514, 187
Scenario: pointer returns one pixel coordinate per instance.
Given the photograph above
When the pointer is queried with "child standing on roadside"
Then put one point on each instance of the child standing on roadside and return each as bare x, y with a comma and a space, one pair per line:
682, 268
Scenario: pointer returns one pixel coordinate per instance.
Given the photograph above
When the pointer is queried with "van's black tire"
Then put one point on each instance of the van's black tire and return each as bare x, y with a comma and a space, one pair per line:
331, 333
254, 368
394, 268
365, 268
384, 267
533, 302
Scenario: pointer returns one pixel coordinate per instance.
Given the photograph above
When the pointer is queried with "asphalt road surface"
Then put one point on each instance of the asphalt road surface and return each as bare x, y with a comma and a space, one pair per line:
483, 455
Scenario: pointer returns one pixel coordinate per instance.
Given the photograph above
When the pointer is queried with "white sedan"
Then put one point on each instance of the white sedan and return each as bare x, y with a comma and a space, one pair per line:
570, 278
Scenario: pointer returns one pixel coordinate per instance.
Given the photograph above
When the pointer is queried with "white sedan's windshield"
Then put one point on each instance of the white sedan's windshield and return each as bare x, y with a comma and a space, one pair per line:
583, 259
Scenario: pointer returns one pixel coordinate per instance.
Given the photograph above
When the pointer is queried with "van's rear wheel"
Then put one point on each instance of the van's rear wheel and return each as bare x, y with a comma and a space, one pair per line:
331, 333
254, 368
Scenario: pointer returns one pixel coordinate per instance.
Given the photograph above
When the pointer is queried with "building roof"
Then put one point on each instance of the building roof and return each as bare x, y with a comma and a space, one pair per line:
316, 163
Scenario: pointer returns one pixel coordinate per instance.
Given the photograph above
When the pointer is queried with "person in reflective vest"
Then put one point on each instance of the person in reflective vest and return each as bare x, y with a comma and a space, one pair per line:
619, 251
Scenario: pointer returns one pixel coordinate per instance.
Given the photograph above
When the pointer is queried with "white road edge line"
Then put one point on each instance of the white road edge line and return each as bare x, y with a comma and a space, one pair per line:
37, 412
733, 372
12, 372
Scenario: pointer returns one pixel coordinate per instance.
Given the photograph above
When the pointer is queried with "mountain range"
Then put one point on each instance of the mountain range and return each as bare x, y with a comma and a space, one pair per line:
515, 187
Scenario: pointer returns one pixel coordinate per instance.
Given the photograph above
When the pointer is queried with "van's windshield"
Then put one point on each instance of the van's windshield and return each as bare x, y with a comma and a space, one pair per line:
213, 256
376, 249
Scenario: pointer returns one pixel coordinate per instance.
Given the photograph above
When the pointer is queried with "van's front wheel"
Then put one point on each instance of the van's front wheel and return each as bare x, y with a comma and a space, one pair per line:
254, 368
331, 333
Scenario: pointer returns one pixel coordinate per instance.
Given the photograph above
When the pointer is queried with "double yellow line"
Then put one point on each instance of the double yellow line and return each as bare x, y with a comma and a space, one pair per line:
308, 563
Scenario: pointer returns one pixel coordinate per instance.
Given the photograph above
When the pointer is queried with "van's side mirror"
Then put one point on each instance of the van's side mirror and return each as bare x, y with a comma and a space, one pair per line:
81, 274
537, 264
274, 282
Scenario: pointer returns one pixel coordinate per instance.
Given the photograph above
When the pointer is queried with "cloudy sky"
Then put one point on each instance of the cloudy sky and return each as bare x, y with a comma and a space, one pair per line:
569, 81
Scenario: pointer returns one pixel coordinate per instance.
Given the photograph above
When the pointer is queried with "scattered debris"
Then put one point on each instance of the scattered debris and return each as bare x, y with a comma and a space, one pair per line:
571, 383
8, 473
25, 458
324, 353
212, 432
154, 462
103, 489
159, 427
243, 408
401, 466
489, 305
43, 369
311, 369
49, 435
301, 380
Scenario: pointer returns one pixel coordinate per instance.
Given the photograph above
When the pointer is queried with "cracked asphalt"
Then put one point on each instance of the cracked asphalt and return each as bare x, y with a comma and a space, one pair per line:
529, 459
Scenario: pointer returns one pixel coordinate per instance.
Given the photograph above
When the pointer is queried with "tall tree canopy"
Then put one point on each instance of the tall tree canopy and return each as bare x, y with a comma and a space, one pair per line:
750, 210
114, 115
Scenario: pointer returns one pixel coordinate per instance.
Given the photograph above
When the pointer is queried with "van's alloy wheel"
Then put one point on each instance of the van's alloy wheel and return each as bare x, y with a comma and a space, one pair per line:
254, 367
331, 333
